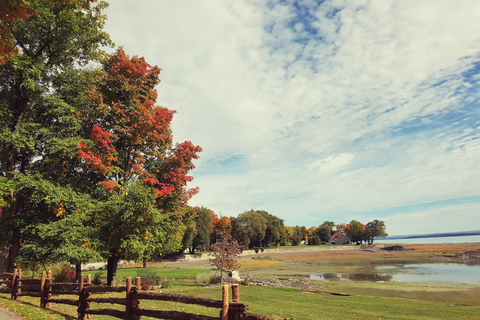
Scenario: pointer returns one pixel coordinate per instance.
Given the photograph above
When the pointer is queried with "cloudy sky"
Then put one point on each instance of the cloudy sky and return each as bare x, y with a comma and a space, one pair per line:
322, 110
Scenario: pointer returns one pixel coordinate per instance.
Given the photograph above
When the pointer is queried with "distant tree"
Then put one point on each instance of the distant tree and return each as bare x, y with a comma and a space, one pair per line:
274, 229
249, 228
374, 229
314, 241
355, 230
204, 229
225, 252
223, 223
324, 232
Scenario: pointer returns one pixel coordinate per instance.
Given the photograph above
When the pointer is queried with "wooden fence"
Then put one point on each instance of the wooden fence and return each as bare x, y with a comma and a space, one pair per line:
45, 289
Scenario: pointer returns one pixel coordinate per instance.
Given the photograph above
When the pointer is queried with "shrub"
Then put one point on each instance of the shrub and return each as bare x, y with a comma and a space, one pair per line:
96, 278
145, 285
61, 271
262, 249
208, 278
256, 249
166, 284
149, 275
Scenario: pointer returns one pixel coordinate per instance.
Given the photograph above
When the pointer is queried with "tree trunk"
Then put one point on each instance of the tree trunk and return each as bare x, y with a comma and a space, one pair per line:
112, 268
144, 263
14, 248
78, 272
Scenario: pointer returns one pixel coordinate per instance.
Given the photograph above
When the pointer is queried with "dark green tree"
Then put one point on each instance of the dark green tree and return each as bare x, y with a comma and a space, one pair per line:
37, 125
203, 225
374, 229
249, 228
274, 229
355, 230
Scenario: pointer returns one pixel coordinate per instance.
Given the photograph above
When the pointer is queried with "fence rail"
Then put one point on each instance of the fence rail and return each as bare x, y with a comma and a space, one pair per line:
44, 288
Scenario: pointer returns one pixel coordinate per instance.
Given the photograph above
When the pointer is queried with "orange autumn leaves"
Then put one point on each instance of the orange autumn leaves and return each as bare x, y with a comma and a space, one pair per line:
131, 136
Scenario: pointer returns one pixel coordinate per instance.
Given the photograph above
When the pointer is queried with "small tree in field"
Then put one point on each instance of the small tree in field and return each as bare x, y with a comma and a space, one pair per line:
225, 252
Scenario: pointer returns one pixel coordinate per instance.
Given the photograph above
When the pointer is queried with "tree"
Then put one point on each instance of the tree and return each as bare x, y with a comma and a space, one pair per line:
37, 131
355, 230
374, 229
324, 233
274, 229
249, 228
225, 252
141, 178
204, 229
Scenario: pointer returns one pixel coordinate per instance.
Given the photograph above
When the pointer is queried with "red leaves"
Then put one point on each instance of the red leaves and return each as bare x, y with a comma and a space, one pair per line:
100, 158
133, 134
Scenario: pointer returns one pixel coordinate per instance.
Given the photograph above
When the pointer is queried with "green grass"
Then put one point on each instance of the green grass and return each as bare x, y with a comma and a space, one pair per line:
281, 302
163, 272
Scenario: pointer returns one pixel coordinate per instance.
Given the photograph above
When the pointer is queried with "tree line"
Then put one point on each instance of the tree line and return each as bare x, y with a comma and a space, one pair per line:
259, 229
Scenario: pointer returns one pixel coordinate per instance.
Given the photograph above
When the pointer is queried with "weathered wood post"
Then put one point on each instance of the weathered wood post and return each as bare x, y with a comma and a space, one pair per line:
235, 293
81, 299
87, 295
128, 302
42, 290
16, 284
47, 289
224, 311
135, 302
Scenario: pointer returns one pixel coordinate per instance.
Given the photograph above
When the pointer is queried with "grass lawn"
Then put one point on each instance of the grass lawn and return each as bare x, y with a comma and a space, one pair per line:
165, 273
281, 302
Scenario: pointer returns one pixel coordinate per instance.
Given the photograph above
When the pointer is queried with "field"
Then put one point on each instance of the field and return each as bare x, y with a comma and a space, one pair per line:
366, 300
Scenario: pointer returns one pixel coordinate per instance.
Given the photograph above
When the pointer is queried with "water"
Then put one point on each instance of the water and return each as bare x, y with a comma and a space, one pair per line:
434, 272
462, 239
425, 272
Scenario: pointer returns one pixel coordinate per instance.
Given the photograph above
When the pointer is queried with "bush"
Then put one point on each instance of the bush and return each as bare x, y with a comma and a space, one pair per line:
145, 285
208, 278
96, 278
149, 275
166, 284
60, 272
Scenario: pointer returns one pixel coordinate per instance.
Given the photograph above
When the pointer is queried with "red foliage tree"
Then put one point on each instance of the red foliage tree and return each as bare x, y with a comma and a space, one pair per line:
130, 138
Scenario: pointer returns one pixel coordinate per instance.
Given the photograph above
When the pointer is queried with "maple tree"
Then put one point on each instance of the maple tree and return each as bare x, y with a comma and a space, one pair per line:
129, 147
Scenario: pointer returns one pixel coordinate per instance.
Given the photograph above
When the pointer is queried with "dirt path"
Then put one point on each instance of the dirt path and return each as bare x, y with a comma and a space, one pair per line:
7, 315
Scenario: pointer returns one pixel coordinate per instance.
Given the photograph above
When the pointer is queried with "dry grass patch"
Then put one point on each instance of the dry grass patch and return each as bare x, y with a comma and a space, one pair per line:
444, 247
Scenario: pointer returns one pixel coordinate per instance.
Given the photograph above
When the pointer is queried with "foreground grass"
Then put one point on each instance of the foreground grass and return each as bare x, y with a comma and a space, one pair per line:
281, 302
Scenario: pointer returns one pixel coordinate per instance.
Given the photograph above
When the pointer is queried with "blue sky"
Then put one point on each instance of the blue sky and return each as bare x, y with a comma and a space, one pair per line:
322, 110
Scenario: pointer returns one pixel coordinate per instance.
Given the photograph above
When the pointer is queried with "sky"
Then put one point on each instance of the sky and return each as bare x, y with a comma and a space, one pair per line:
321, 110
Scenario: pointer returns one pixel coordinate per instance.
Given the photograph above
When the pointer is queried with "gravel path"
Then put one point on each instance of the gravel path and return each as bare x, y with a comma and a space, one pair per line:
7, 315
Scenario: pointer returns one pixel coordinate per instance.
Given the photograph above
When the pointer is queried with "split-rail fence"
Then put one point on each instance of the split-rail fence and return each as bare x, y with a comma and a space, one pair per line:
45, 289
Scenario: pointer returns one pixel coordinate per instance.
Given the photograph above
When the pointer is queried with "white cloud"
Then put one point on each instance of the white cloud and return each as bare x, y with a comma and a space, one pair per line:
336, 110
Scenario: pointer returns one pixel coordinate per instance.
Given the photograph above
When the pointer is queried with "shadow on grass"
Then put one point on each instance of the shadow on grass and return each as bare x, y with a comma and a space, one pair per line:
8, 303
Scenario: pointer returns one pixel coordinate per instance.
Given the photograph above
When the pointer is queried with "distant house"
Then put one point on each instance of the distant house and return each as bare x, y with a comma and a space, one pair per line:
340, 238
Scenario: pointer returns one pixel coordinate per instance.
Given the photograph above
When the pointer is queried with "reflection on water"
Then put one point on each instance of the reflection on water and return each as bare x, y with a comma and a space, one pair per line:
427, 272
351, 277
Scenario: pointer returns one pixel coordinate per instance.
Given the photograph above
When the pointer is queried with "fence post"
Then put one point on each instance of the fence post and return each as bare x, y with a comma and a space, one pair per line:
128, 304
42, 290
224, 312
14, 287
16, 284
47, 288
81, 299
235, 293
135, 301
